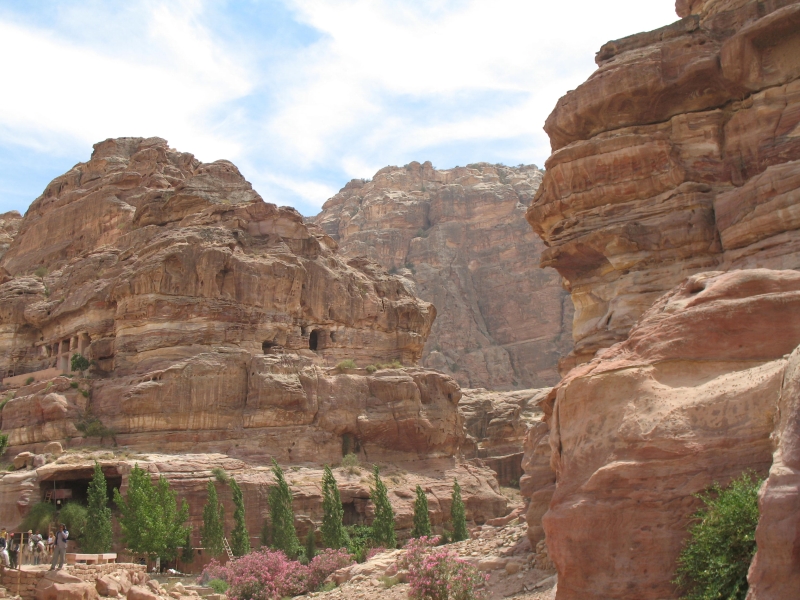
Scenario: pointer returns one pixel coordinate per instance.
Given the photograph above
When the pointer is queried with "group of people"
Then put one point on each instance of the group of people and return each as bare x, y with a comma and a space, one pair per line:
31, 548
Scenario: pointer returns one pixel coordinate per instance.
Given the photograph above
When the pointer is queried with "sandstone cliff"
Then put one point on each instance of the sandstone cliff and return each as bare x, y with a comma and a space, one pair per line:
459, 238
210, 317
680, 154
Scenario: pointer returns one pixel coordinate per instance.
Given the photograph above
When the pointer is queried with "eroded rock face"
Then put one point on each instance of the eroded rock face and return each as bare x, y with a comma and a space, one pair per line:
680, 154
458, 238
211, 318
689, 399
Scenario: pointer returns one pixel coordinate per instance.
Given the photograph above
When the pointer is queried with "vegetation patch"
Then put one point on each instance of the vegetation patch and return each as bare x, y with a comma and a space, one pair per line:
722, 541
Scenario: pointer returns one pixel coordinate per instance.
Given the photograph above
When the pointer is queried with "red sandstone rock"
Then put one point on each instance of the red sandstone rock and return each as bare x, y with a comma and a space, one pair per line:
58, 585
687, 400
774, 573
501, 322
678, 155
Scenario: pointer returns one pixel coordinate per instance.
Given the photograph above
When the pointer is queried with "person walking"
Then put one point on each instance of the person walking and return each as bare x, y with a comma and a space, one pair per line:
38, 547
61, 547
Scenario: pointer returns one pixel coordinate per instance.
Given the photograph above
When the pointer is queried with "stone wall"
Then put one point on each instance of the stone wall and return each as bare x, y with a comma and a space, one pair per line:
23, 582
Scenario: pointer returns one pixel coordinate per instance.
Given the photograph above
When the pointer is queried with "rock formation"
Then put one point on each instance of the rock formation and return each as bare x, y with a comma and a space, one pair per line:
680, 154
458, 238
208, 316
687, 400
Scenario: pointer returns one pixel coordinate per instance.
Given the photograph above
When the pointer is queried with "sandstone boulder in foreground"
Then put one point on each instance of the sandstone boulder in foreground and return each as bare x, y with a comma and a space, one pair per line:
692, 397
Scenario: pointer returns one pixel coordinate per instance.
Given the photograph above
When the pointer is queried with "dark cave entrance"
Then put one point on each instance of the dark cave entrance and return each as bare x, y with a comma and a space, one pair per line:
267, 346
72, 485
313, 339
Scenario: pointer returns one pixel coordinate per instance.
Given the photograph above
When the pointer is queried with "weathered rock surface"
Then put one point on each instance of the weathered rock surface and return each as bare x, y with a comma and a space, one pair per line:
209, 317
689, 399
496, 424
458, 238
680, 154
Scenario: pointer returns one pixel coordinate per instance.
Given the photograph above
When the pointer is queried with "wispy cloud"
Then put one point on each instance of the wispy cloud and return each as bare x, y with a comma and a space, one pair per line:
302, 94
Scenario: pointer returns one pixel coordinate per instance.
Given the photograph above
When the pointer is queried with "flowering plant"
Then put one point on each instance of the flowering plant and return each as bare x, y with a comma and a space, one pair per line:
269, 574
439, 574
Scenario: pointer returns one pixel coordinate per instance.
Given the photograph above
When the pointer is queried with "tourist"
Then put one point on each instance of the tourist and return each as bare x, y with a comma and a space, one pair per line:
13, 552
38, 548
3, 548
60, 551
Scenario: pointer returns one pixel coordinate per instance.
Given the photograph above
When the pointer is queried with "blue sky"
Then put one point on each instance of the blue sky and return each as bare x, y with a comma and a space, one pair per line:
303, 95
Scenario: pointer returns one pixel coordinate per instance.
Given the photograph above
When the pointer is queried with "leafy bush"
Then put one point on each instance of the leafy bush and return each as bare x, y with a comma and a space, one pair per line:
439, 573
75, 517
73, 384
3, 443
218, 585
348, 363
351, 463
78, 362
220, 475
721, 544
269, 574
39, 518
30, 380
40, 272
91, 426
371, 369
359, 541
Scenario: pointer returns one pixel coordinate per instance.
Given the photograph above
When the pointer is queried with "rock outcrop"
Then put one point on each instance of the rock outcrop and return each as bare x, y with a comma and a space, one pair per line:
458, 238
689, 399
209, 317
680, 154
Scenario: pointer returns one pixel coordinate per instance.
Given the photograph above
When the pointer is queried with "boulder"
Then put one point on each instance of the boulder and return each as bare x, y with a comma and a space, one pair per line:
108, 586
23, 459
138, 592
53, 448
58, 585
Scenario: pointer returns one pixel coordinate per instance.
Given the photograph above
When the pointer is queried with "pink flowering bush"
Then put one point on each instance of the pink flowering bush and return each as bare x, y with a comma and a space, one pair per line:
439, 574
268, 574
373, 552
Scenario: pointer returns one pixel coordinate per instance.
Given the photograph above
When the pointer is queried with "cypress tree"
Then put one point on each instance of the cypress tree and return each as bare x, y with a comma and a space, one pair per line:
311, 546
284, 535
213, 520
458, 514
422, 523
240, 537
383, 526
333, 533
97, 535
187, 553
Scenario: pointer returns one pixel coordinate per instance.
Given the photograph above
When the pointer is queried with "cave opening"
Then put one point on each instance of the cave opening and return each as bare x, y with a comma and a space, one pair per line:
267, 346
72, 485
351, 516
313, 340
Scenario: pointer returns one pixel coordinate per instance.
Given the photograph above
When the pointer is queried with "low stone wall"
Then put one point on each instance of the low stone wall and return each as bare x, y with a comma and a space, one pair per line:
23, 583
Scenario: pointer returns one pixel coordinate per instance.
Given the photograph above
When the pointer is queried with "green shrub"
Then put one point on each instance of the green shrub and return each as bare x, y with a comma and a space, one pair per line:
75, 517
371, 369
347, 364
422, 522
715, 559
78, 362
458, 514
40, 272
3, 443
333, 533
351, 463
73, 384
218, 585
383, 533
359, 540
220, 475
40, 517
30, 380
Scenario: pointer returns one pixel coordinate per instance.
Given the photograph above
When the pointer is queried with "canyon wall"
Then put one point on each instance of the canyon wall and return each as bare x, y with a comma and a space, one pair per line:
458, 237
670, 208
680, 154
211, 318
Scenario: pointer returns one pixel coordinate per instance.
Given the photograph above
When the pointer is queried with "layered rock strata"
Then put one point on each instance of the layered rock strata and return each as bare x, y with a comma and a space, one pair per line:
212, 321
680, 154
458, 237
689, 399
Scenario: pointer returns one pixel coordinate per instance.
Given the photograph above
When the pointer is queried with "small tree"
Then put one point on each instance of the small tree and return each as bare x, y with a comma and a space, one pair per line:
98, 535
333, 532
75, 516
150, 519
383, 526
311, 545
240, 537
458, 514
3, 443
422, 522
78, 362
284, 535
212, 532
715, 560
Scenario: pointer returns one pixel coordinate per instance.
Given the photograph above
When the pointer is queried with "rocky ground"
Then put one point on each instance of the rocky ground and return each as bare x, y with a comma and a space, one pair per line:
515, 571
